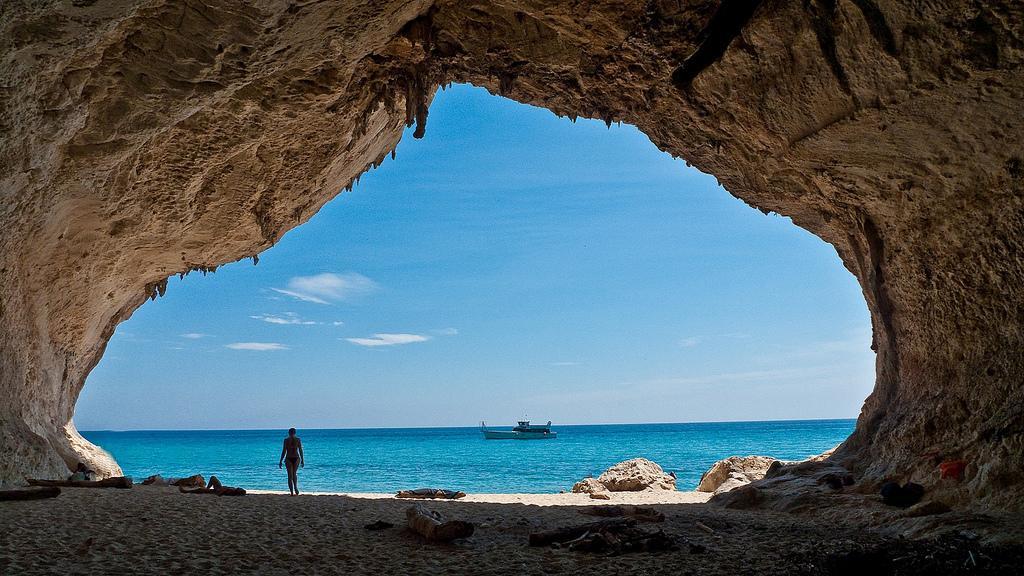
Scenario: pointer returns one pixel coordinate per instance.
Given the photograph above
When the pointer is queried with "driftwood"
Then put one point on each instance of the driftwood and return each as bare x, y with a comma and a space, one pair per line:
432, 493
432, 526
568, 533
33, 493
641, 513
115, 482
612, 536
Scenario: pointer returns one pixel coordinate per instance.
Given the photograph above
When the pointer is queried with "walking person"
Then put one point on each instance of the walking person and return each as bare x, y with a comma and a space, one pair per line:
291, 453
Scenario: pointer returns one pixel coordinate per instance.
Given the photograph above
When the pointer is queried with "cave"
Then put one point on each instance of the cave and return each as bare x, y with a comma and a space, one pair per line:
146, 140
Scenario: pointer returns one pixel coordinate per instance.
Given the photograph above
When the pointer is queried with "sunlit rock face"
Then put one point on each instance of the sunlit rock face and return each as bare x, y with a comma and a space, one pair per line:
146, 139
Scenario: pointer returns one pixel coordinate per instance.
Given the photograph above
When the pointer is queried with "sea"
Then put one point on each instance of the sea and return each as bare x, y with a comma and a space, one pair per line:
391, 459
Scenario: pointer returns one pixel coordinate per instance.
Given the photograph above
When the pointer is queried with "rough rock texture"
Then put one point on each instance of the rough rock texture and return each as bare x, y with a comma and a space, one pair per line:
636, 475
733, 472
145, 138
588, 486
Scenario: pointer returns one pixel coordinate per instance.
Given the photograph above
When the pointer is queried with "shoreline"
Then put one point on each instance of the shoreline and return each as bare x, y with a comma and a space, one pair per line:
647, 497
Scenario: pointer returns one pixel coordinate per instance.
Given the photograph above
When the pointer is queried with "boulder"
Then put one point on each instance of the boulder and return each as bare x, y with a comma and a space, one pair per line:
733, 472
588, 486
636, 475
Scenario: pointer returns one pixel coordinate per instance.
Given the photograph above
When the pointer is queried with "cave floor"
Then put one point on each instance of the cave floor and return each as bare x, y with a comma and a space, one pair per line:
149, 530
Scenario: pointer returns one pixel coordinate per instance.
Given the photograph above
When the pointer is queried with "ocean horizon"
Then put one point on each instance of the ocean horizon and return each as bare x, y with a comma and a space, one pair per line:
391, 459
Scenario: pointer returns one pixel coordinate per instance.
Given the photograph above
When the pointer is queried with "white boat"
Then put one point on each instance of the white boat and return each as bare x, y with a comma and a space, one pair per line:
524, 431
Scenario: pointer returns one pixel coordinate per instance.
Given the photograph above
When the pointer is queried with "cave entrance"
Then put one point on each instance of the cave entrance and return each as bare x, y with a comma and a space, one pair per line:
509, 262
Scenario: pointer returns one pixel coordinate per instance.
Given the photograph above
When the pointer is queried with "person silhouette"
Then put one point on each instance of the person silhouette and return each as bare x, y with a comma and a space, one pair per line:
292, 452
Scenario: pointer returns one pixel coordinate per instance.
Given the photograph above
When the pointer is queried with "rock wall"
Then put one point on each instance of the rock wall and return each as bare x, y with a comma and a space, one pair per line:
143, 139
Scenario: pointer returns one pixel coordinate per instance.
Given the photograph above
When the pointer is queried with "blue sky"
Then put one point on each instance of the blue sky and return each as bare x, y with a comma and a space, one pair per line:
509, 263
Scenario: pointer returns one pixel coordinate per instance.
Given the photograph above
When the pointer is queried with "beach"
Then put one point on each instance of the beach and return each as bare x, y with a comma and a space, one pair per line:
644, 498
148, 529
157, 529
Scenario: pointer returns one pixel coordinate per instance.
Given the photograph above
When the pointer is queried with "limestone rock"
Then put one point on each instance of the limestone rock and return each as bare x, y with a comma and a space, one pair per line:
636, 475
733, 472
743, 497
600, 496
588, 486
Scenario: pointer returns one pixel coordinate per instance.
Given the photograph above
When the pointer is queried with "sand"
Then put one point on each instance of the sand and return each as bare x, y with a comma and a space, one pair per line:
566, 499
150, 529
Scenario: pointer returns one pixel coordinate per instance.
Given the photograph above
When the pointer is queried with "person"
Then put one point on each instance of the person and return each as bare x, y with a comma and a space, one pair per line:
292, 449
214, 486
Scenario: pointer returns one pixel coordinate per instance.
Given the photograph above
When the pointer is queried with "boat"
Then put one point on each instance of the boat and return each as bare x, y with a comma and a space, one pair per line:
524, 431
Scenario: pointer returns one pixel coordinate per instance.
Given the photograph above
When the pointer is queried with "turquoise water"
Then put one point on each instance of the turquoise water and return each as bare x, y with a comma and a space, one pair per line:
390, 459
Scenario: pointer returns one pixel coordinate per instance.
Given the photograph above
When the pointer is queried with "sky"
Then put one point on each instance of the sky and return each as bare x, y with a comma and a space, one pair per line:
511, 263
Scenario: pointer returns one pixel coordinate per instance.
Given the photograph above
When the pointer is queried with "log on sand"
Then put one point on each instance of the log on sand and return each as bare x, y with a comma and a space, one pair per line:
611, 536
432, 526
566, 534
641, 513
32, 493
115, 482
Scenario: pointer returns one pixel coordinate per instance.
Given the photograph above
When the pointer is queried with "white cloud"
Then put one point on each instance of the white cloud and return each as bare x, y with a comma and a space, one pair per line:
194, 335
389, 339
286, 318
337, 323
260, 346
565, 364
328, 287
689, 342
446, 331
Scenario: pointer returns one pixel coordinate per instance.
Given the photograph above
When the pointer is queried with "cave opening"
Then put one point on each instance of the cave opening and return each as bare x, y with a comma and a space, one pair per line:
518, 263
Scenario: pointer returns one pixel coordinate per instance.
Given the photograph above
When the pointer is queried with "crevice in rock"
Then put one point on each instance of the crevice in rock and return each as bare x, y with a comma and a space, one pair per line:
823, 15
878, 25
725, 25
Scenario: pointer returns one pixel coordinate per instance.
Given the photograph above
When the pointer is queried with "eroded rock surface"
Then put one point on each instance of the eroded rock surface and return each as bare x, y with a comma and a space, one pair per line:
144, 139
588, 486
733, 472
635, 475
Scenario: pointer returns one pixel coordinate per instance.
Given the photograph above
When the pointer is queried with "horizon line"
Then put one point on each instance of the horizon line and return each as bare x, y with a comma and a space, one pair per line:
463, 427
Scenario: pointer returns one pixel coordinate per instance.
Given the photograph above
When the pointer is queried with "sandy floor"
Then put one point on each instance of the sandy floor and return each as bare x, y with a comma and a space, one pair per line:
567, 499
150, 530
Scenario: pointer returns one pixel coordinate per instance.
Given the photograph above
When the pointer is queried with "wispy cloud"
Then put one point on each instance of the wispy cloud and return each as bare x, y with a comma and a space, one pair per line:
328, 287
565, 363
193, 335
446, 331
389, 339
689, 342
259, 346
337, 323
286, 318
